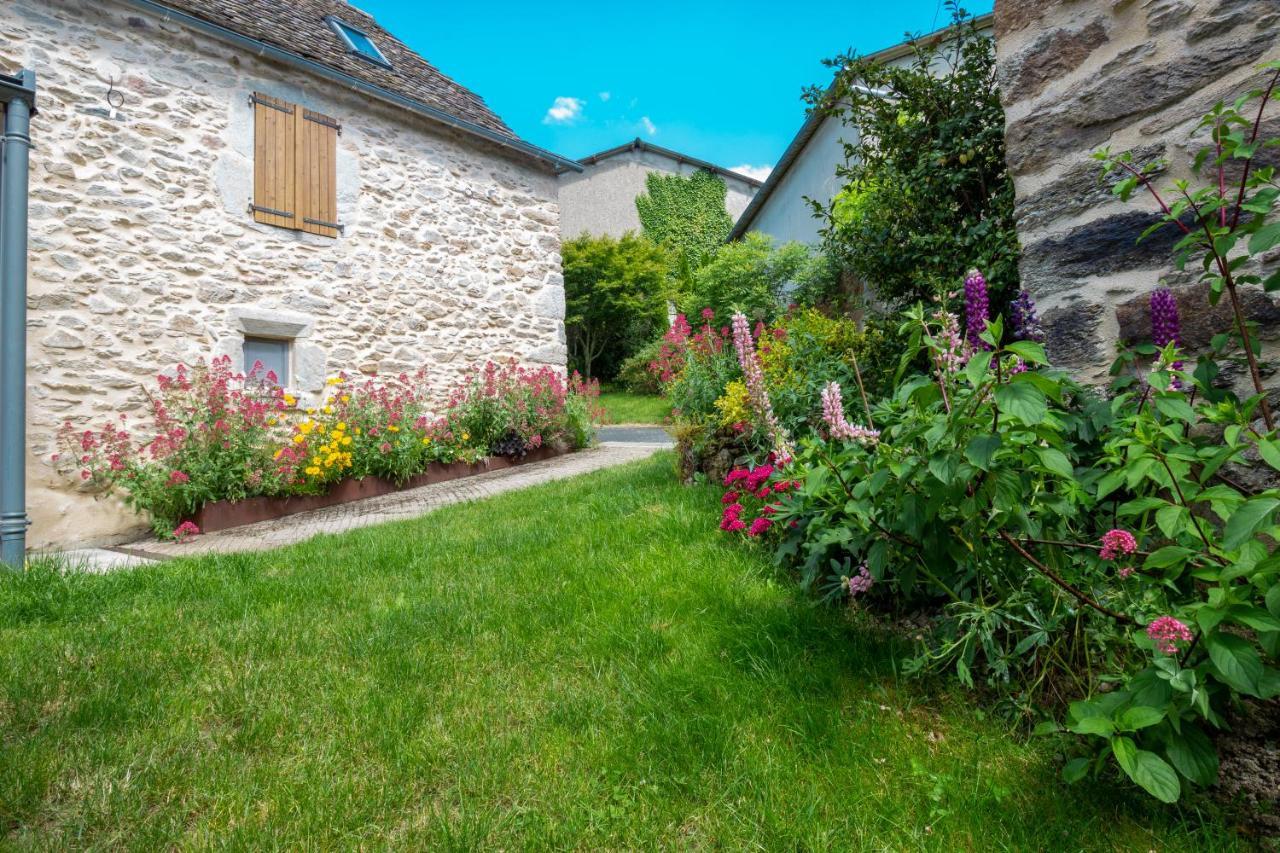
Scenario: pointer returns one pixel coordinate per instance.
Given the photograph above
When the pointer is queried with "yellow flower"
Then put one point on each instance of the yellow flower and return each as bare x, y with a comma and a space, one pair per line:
279, 453
466, 436
313, 471
340, 425
290, 400
357, 430
298, 439
271, 421
345, 398
305, 427
426, 440
328, 410
315, 460
335, 380
311, 410
392, 428
346, 439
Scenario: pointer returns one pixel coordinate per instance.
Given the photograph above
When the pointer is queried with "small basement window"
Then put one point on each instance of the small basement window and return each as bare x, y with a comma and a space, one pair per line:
273, 354
358, 42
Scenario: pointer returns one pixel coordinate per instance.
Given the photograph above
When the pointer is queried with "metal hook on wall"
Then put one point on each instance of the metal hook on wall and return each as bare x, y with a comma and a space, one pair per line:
115, 99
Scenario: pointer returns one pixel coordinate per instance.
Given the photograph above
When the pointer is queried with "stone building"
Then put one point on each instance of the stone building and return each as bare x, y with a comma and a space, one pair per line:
270, 180
1133, 76
602, 198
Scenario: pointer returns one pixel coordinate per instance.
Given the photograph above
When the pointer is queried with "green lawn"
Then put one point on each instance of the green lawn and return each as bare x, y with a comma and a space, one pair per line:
624, 407
589, 664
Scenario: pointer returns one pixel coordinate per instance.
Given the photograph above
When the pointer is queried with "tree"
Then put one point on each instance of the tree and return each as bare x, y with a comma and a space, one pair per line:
687, 217
751, 276
927, 195
613, 299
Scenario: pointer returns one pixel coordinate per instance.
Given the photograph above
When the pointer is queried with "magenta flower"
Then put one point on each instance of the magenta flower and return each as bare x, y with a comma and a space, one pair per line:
760, 525
1166, 632
185, 531
1126, 573
177, 478
1022, 314
977, 309
1117, 542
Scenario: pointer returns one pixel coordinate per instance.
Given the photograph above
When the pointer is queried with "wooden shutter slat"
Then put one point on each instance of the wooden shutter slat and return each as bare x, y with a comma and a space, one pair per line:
273, 161
317, 173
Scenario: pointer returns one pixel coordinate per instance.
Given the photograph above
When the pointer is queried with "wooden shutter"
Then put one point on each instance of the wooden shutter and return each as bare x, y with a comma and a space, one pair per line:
317, 174
274, 161
295, 167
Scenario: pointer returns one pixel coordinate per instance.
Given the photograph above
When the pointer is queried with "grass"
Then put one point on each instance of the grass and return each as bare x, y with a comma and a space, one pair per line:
623, 407
588, 664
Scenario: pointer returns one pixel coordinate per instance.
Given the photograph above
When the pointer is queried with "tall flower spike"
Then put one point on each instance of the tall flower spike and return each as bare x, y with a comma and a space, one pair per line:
1026, 325
833, 415
977, 309
756, 391
1165, 326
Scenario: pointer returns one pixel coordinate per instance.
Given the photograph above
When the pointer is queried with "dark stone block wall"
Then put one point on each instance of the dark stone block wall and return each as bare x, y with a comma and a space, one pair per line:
1134, 75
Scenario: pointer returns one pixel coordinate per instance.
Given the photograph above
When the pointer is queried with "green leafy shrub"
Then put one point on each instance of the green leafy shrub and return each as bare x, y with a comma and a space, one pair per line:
751, 276
927, 193
613, 300
687, 217
637, 373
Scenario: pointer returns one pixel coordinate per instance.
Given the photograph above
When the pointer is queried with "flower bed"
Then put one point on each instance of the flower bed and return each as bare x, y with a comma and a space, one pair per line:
221, 515
220, 437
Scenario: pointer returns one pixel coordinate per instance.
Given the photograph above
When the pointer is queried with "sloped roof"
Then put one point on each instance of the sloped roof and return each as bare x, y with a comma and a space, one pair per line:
814, 120
639, 144
301, 29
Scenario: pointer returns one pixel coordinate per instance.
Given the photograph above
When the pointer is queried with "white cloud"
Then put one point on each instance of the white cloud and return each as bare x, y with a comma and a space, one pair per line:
649, 127
604, 96
564, 110
760, 173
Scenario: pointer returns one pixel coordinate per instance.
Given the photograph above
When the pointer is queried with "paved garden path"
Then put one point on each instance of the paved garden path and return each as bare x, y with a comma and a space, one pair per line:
618, 446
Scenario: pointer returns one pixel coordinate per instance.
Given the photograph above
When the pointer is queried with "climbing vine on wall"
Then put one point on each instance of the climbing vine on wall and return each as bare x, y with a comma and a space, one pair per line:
687, 217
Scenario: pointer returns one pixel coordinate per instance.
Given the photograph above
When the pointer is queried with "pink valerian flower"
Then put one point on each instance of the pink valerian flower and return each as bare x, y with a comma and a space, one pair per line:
708, 314
177, 478
185, 531
861, 582
760, 525
1116, 543
1126, 572
758, 394
833, 415
1166, 632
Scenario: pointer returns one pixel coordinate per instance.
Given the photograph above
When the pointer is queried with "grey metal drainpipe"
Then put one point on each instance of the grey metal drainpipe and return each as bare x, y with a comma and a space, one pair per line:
18, 94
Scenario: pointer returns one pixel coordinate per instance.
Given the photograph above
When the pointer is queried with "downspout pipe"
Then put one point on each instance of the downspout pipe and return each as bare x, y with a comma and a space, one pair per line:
18, 94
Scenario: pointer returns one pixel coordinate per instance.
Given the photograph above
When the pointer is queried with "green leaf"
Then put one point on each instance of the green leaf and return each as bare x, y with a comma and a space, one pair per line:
1137, 506
976, 370
1109, 483
1101, 726
1167, 556
1176, 407
1171, 520
1029, 351
1149, 770
1248, 520
1273, 600
1139, 717
1236, 662
1192, 753
1075, 770
1270, 452
1264, 238
1056, 461
1023, 400
980, 450
1255, 617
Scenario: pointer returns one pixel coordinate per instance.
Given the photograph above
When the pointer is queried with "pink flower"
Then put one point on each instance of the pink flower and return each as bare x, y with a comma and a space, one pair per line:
1117, 542
185, 531
1166, 632
177, 478
760, 525
708, 314
1126, 573
385, 447
833, 414
861, 582
753, 373
729, 497
735, 525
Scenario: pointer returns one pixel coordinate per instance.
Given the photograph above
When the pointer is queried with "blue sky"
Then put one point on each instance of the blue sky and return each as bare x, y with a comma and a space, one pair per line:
716, 80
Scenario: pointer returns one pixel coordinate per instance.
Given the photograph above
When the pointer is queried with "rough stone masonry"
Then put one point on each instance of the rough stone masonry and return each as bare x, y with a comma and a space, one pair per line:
143, 253
1135, 75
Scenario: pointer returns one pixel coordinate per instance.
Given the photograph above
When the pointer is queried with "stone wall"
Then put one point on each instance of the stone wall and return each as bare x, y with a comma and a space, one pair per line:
143, 253
1135, 75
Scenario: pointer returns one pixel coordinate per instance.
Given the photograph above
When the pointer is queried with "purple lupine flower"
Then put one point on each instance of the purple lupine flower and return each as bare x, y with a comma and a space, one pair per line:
1026, 325
977, 309
1165, 328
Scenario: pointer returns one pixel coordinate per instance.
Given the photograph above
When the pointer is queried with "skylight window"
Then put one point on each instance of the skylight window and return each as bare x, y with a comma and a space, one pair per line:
358, 42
